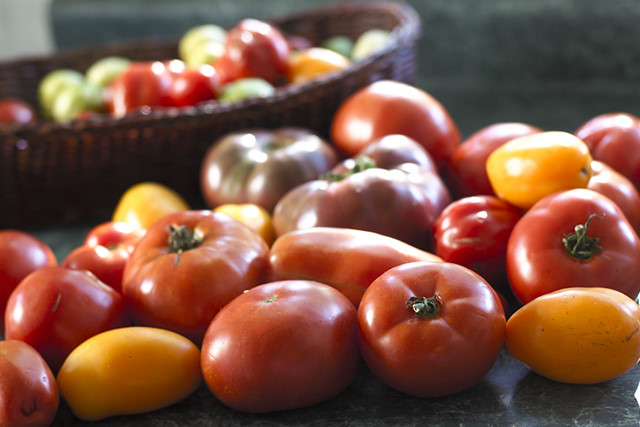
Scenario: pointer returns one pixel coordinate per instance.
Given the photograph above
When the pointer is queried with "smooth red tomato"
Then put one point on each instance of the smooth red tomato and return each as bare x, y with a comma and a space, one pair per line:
430, 329
194, 85
54, 309
29, 395
281, 346
573, 238
188, 266
389, 107
468, 175
473, 232
20, 254
13, 110
143, 84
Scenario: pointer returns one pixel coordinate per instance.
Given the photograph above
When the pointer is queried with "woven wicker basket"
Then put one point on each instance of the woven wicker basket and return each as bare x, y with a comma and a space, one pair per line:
55, 174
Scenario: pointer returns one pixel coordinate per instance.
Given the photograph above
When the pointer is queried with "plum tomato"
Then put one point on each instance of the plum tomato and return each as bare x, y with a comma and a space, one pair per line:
142, 84
194, 85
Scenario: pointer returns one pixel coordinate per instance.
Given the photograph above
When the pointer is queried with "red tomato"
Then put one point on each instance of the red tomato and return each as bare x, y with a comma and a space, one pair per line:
473, 232
430, 329
254, 49
389, 107
14, 110
142, 84
29, 394
280, 346
193, 86
54, 309
468, 175
105, 252
188, 266
573, 238
20, 254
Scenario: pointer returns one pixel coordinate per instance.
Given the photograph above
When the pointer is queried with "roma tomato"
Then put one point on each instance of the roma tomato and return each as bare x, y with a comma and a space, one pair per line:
347, 259
13, 110
577, 335
313, 62
280, 346
142, 84
194, 85
530, 167
468, 176
260, 166
29, 395
129, 370
54, 309
430, 329
473, 232
20, 254
573, 238
252, 215
389, 107
188, 266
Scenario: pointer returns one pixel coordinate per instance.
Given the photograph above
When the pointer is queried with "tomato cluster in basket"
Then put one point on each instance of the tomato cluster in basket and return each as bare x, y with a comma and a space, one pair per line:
397, 244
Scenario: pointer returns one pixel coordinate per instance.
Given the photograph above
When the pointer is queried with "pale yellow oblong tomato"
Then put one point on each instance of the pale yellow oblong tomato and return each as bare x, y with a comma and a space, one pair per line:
577, 335
255, 216
530, 167
129, 370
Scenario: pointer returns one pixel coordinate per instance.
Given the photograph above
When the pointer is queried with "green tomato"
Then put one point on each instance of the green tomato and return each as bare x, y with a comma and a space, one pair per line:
193, 37
369, 42
340, 44
250, 87
206, 52
73, 100
105, 70
53, 83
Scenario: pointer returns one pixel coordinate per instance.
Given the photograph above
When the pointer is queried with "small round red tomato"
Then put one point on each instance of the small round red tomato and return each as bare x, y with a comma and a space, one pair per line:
254, 48
194, 85
142, 84
473, 232
54, 309
280, 346
430, 329
29, 394
20, 254
389, 107
13, 110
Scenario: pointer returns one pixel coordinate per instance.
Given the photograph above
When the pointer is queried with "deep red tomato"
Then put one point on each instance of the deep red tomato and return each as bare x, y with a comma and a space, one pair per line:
188, 266
13, 110
54, 309
430, 329
254, 48
29, 394
573, 238
142, 84
389, 107
468, 176
193, 86
20, 254
105, 252
280, 346
473, 232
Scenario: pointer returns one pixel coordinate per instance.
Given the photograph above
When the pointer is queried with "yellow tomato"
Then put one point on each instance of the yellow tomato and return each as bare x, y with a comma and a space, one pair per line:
130, 370
530, 167
145, 203
577, 335
313, 62
254, 216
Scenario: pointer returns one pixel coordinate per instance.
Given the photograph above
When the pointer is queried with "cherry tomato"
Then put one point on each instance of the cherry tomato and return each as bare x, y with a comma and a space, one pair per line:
281, 346
194, 85
252, 215
389, 107
430, 329
313, 62
129, 370
473, 232
577, 335
13, 110
528, 168
54, 309
142, 84
573, 238
188, 266
29, 393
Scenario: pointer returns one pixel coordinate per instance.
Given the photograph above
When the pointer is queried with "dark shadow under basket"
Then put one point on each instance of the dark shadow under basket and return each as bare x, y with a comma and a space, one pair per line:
55, 174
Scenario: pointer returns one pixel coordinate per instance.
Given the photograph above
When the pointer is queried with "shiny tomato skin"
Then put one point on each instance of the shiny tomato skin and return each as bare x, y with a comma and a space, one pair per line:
389, 107
577, 335
54, 309
538, 263
29, 395
280, 346
194, 85
13, 110
596, 128
473, 232
182, 288
430, 357
143, 84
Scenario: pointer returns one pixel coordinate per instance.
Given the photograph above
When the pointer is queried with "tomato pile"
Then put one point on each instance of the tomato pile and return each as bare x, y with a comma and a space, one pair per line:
397, 245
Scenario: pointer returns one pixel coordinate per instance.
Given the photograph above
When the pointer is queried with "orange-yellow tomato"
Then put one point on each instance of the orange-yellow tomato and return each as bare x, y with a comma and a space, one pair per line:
129, 370
530, 167
313, 62
577, 335
253, 215
145, 203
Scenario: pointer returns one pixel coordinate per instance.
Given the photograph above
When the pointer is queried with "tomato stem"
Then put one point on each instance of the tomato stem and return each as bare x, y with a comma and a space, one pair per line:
579, 244
425, 308
182, 239
359, 164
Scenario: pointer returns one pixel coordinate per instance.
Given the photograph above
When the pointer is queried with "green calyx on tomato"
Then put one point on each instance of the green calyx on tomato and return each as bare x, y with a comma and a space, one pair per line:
359, 164
579, 244
425, 308
182, 239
